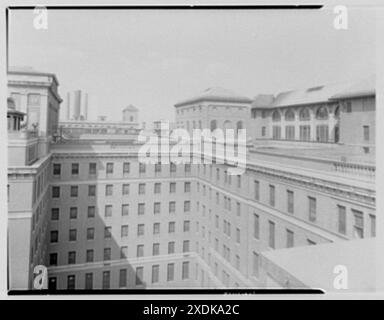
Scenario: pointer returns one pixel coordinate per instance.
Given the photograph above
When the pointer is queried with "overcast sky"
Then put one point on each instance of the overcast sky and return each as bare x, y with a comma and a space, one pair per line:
153, 59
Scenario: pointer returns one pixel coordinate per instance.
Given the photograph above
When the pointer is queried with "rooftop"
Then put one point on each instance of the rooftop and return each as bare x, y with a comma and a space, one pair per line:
130, 108
216, 94
26, 70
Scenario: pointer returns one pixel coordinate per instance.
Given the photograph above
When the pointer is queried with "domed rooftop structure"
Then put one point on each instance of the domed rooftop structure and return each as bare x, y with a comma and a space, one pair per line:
130, 108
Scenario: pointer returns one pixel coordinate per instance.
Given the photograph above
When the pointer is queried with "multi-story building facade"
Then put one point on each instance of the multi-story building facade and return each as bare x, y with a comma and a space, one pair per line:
110, 221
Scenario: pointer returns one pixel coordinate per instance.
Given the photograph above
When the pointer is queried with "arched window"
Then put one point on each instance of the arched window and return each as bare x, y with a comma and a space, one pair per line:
304, 114
276, 116
213, 125
289, 115
322, 113
239, 125
227, 125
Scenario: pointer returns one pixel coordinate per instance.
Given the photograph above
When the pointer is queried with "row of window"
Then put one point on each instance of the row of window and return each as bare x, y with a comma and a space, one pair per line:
123, 277
92, 168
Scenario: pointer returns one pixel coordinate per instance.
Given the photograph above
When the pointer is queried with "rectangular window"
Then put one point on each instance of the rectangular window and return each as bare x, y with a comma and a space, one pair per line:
271, 195
56, 169
172, 207
71, 257
122, 278
53, 259
263, 131
109, 190
91, 211
123, 252
139, 275
156, 228
141, 208
71, 282
157, 188
73, 213
156, 249
257, 190
55, 192
124, 209
358, 227
171, 247
140, 229
55, 214
170, 271
171, 227
186, 246
185, 270
366, 133
141, 188
155, 273
74, 191
322, 133
187, 187
72, 234
290, 238
172, 167
91, 190
92, 168
187, 206
172, 187
256, 262
125, 189
141, 167
342, 215
107, 232
256, 226
305, 133
90, 233
140, 250
126, 167
156, 208
124, 231
109, 168
290, 201
75, 169
271, 241
238, 209
108, 211
106, 279
312, 209
186, 226
107, 254
290, 132
89, 255
237, 235
89, 281
276, 132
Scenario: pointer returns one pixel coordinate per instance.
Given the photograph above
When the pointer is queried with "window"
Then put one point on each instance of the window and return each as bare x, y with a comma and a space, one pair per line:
141, 167
171, 227
123, 252
141, 188
172, 187
157, 188
141, 208
276, 132
108, 211
348, 107
140, 250
312, 209
156, 228
88, 281
172, 207
342, 219
155, 273
54, 236
55, 214
256, 190
322, 133
55, 192
290, 133
185, 271
289, 115
139, 275
91, 212
170, 271
124, 209
109, 168
56, 169
290, 239
256, 226
156, 249
108, 189
263, 131
156, 208
124, 231
126, 167
187, 168
72, 234
322, 113
372, 219
157, 167
186, 226
71, 282
271, 195
53, 259
237, 235
122, 278
187, 187
106, 279
107, 254
73, 213
91, 190
92, 169
366, 133
276, 116
290, 201
358, 227
125, 190
74, 191
187, 206
186, 246
238, 209
89, 254
256, 262
75, 169
90, 233
305, 133
239, 181
271, 241
171, 247
173, 167
304, 114
140, 229
107, 232
213, 125
71, 257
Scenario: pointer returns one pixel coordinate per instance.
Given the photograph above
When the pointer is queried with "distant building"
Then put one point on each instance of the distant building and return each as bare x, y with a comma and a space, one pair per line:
131, 114
76, 105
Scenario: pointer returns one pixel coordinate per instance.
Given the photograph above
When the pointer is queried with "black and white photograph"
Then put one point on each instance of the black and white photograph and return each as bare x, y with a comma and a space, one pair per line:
191, 148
